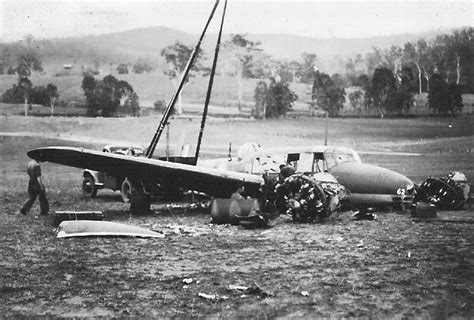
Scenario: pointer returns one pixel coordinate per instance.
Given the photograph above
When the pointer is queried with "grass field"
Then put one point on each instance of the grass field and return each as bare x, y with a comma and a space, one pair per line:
388, 268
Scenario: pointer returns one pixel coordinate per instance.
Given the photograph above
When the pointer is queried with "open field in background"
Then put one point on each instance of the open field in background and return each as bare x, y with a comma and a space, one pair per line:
448, 141
156, 86
390, 267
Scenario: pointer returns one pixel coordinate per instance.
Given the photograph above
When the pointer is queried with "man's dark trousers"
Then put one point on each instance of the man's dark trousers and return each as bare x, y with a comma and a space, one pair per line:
34, 190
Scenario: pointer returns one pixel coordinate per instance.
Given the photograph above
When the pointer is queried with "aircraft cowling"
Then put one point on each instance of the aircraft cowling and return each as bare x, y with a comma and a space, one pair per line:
369, 179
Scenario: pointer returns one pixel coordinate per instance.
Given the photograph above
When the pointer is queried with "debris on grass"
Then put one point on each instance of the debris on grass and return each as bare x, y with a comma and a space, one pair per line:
365, 214
214, 297
253, 290
237, 287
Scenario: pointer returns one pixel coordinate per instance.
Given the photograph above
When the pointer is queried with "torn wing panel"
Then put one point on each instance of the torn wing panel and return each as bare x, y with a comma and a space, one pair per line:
215, 182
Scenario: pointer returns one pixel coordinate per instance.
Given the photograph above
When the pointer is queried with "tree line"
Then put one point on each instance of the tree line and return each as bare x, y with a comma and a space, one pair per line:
385, 80
105, 97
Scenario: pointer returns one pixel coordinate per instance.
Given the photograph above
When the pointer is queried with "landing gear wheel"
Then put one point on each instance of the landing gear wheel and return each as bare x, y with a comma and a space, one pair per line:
89, 189
126, 190
139, 199
302, 198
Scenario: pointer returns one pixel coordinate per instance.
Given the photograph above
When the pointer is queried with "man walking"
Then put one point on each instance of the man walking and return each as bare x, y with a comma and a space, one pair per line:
35, 189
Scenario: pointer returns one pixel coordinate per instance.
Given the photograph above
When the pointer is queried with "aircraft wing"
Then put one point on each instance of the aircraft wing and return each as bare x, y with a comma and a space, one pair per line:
215, 182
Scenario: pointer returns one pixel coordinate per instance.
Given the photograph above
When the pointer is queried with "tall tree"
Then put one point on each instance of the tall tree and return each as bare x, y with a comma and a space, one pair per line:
260, 96
460, 52
354, 68
444, 98
28, 59
294, 67
7, 59
241, 53
356, 99
26, 86
28, 62
177, 56
326, 94
92, 103
382, 87
416, 54
393, 61
53, 95
131, 104
279, 99
373, 60
308, 67
438, 95
104, 97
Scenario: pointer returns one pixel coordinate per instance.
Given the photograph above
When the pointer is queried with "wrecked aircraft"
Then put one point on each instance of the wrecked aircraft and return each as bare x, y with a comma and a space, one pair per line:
322, 177
316, 178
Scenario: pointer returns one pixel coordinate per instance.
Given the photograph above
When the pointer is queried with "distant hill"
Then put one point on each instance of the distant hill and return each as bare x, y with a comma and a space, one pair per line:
148, 42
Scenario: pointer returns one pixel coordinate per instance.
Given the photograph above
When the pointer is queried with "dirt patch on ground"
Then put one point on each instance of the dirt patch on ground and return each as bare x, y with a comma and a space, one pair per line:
344, 268
390, 267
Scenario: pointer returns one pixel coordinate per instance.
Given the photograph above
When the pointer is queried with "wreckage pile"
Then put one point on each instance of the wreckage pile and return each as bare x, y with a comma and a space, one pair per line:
446, 193
302, 198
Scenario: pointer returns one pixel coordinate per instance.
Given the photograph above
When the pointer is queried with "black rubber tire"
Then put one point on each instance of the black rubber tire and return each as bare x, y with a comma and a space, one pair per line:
89, 190
126, 190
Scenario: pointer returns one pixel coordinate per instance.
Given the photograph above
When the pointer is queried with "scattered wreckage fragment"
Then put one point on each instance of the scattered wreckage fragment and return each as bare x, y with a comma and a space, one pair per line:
446, 193
92, 228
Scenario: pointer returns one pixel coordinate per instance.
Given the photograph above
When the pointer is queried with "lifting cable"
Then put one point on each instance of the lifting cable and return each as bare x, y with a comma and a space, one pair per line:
209, 88
169, 108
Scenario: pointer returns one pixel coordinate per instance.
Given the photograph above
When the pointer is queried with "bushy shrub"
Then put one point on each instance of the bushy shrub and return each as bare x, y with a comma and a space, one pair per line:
122, 68
103, 97
39, 95
274, 100
13, 95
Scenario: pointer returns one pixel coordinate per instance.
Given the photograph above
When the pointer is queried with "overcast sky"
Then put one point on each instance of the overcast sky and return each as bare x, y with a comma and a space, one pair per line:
347, 19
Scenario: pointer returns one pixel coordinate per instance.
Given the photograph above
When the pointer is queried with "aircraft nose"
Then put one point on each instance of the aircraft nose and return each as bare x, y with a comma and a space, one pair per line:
366, 178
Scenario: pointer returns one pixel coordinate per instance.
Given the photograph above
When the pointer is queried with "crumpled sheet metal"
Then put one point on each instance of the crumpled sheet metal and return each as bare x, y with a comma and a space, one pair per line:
446, 193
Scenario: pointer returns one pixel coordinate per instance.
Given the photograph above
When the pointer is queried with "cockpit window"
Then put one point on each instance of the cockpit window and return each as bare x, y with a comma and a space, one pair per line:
307, 162
340, 155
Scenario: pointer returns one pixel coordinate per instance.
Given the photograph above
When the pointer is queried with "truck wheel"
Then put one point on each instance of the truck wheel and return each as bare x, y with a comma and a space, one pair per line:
89, 189
139, 199
126, 190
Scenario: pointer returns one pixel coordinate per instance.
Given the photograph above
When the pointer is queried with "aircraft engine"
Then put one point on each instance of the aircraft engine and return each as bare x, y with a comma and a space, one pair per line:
447, 193
303, 198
